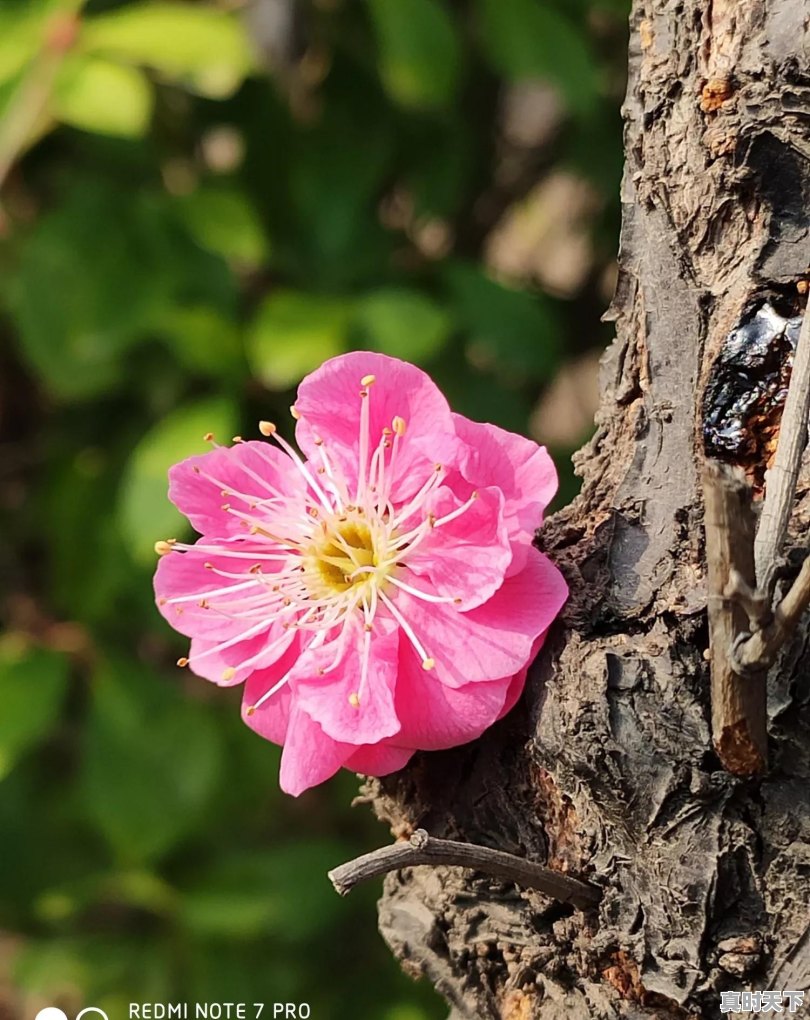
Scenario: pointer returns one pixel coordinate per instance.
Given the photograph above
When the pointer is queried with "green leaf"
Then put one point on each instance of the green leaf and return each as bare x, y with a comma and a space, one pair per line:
420, 55
530, 39
20, 36
100, 963
152, 760
283, 891
204, 340
223, 221
402, 322
337, 172
512, 332
144, 511
33, 682
108, 259
480, 397
141, 889
196, 45
96, 95
293, 333
405, 1012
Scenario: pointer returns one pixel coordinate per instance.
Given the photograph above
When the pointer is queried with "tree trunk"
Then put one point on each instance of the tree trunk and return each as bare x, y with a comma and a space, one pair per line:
607, 770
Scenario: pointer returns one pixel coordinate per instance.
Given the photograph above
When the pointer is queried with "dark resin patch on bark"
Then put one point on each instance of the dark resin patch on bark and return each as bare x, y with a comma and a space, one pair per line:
746, 392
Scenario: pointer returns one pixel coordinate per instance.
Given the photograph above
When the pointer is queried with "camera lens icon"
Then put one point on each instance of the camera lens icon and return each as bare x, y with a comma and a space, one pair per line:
54, 1013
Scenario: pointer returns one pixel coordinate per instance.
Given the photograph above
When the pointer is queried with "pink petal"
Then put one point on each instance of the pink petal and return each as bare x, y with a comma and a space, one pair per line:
271, 719
245, 472
519, 467
468, 557
380, 760
260, 652
513, 693
518, 681
181, 575
309, 756
328, 699
494, 640
434, 716
329, 403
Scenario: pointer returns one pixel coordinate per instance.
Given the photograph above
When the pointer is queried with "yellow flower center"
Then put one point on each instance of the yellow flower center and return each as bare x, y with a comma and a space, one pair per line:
340, 559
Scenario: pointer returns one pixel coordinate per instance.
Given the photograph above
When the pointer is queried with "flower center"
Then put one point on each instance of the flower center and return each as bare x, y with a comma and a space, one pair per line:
343, 557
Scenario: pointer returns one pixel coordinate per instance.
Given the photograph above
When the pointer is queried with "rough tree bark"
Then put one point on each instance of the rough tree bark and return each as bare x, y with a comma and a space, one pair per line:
607, 770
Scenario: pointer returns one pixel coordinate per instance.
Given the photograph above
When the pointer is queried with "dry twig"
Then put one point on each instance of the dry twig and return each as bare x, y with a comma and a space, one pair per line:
424, 849
759, 650
782, 476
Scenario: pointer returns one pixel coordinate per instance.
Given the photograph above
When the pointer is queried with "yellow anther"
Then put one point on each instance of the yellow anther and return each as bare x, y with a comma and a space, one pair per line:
428, 663
267, 428
238, 439
368, 380
399, 425
250, 710
229, 673
182, 661
161, 548
295, 412
209, 437
354, 699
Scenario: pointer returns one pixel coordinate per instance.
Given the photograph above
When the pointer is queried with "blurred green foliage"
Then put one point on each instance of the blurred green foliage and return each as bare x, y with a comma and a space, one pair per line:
199, 203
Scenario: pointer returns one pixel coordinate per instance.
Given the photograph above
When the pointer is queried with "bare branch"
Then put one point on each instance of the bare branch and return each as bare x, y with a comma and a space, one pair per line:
781, 478
424, 849
759, 650
738, 702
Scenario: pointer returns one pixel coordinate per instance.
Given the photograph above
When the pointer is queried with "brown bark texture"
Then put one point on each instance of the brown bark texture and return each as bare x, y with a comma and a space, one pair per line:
607, 770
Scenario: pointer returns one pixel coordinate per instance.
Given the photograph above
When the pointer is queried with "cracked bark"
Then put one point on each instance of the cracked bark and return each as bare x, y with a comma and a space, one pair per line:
606, 770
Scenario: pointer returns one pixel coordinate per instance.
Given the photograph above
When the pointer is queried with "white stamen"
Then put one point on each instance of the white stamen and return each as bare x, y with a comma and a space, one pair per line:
425, 596
417, 644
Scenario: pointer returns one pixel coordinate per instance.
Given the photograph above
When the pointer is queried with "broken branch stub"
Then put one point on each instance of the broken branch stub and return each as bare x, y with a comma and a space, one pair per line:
739, 717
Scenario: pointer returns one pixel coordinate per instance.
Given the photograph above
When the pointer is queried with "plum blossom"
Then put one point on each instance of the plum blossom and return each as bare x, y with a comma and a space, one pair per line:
377, 593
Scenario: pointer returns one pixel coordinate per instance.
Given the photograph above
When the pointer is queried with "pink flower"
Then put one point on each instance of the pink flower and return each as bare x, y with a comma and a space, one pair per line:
377, 596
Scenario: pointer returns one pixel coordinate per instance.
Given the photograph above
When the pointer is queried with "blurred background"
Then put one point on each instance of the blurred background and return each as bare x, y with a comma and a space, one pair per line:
199, 203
